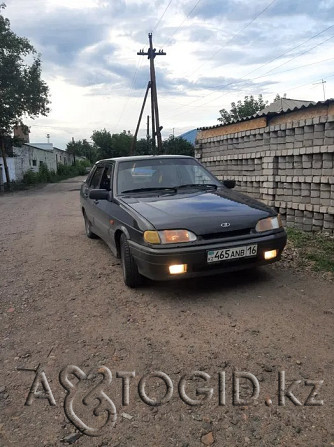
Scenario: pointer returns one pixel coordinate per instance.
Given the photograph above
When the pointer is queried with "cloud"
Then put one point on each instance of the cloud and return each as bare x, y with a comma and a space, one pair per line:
61, 36
243, 10
235, 10
88, 50
322, 9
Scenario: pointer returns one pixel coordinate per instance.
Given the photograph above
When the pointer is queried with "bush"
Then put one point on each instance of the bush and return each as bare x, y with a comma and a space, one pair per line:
44, 175
30, 177
66, 171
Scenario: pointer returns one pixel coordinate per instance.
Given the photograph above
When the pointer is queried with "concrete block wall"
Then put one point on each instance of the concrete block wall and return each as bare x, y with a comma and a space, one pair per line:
289, 166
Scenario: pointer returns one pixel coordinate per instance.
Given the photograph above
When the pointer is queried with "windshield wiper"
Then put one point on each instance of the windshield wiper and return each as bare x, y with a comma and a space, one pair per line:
158, 188
199, 185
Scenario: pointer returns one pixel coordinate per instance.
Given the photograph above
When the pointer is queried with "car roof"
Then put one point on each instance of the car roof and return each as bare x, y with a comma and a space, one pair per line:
142, 157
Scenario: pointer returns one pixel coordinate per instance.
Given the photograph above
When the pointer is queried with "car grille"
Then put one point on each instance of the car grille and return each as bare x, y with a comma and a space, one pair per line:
227, 234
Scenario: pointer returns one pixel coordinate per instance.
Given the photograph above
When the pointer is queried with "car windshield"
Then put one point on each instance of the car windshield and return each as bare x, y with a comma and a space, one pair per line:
163, 174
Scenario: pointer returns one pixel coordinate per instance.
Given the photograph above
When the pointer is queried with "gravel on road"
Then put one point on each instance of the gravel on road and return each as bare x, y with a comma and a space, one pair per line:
64, 307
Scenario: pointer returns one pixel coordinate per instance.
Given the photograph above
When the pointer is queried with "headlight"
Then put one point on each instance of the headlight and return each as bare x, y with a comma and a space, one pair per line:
270, 223
152, 237
169, 236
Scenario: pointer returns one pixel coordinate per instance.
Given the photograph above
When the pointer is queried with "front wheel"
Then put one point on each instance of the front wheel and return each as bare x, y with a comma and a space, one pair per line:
131, 276
88, 228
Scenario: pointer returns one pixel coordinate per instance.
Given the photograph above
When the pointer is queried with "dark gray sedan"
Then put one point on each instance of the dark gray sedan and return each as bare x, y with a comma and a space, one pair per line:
168, 217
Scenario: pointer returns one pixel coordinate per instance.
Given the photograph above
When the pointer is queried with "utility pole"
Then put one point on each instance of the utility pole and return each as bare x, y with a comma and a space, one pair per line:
323, 87
156, 129
148, 130
133, 144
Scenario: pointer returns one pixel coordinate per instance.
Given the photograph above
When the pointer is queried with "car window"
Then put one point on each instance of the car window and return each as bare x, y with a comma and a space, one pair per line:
161, 173
106, 178
90, 175
95, 181
195, 174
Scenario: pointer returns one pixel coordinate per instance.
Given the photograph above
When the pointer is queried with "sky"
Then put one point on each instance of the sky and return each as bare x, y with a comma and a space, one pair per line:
217, 51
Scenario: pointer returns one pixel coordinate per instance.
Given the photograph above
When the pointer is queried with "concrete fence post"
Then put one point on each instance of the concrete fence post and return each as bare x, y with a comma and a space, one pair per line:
2, 186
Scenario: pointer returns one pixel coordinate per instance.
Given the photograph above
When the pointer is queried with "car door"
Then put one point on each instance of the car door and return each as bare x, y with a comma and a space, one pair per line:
103, 211
92, 183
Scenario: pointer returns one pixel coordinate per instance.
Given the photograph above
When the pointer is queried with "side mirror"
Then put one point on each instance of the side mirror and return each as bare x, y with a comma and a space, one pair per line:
230, 184
99, 194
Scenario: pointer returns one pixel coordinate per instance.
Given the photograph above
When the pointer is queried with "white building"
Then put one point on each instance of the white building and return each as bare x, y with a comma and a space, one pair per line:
31, 156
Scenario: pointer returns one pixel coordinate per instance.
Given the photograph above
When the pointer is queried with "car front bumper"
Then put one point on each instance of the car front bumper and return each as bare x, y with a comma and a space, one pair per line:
154, 262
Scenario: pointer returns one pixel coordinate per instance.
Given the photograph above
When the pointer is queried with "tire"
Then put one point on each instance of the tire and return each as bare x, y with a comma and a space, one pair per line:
131, 276
88, 228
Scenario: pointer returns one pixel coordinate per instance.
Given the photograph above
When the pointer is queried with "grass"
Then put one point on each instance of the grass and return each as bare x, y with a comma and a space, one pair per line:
316, 248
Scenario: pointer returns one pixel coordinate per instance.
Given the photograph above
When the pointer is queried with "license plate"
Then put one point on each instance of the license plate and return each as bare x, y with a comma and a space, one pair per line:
232, 253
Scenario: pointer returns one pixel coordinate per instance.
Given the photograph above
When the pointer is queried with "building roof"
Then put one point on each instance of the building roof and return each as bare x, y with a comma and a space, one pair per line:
284, 105
43, 146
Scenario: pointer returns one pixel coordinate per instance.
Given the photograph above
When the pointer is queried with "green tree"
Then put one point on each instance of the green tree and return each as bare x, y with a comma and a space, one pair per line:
143, 147
278, 97
177, 146
73, 148
242, 109
88, 151
112, 145
82, 148
121, 143
22, 91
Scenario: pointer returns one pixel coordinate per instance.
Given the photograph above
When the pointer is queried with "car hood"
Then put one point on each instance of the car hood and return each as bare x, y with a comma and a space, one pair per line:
201, 212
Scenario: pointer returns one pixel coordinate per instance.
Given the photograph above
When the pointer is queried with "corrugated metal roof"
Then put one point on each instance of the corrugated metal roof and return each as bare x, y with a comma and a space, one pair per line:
284, 105
42, 146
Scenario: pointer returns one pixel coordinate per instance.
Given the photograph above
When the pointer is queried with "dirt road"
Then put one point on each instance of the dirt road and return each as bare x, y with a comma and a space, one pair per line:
63, 302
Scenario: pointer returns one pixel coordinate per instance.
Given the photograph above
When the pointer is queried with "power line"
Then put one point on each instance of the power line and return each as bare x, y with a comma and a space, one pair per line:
162, 16
304, 85
289, 51
156, 128
258, 77
284, 63
266, 73
133, 83
234, 35
138, 66
301, 54
184, 20
140, 63
267, 63
247, 25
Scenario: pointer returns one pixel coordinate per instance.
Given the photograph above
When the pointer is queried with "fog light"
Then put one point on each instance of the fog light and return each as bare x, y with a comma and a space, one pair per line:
270, 254
177, 269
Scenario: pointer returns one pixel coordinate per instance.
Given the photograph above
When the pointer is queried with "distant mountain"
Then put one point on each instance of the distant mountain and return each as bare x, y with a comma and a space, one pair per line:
189, 136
